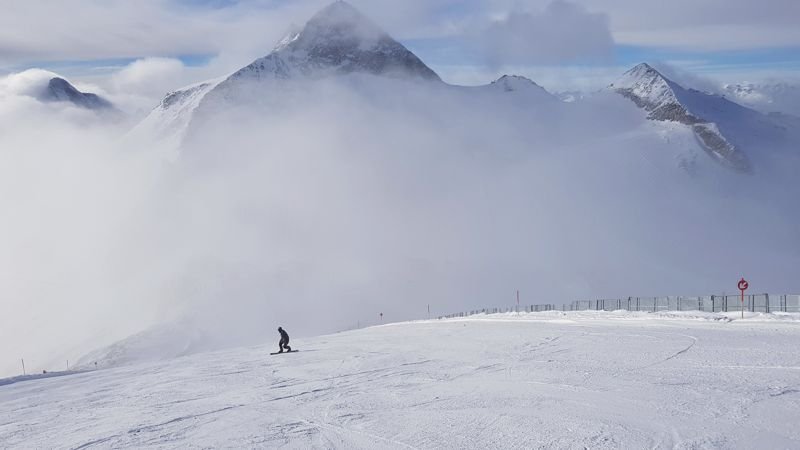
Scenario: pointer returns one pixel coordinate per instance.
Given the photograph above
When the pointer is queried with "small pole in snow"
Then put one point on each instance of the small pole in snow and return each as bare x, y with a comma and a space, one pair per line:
429, 312
23, 366
517, 300
381, 317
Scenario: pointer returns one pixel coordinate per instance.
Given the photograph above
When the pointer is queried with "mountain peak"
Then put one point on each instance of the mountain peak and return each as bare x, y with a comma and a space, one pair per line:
338, 40
341, 21
60, 90
644, 68
665, 100
510, 83
641, 74
646, 86
339, 10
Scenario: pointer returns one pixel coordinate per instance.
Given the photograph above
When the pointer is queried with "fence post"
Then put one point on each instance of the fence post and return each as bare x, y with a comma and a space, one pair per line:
766, 303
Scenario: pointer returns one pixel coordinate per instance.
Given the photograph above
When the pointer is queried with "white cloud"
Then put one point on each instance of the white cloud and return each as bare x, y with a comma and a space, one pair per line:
150, 76
563, 33
28, 83
68, 30
708, 25
711, 38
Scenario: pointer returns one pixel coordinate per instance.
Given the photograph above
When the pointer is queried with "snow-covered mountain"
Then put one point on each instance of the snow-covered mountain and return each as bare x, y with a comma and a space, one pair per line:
521, 91
60, 90
339, 42
49, 87
516, 83
665, 100
730, 133
767, 97
168, 122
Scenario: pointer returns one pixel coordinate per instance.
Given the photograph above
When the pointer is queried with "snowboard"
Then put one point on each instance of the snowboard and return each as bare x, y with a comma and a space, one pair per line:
278, 353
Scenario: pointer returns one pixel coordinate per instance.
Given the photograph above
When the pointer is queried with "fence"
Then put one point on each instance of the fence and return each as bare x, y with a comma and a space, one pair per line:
711, 303
521, 308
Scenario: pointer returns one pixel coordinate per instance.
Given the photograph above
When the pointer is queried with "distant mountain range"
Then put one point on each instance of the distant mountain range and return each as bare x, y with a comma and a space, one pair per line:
767, 97
339, 41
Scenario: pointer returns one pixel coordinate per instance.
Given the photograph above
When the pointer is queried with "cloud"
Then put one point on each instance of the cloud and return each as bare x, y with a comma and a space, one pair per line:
22, 104
41, 30
28, 83
70, 30
563, 33
149, 76
711, 25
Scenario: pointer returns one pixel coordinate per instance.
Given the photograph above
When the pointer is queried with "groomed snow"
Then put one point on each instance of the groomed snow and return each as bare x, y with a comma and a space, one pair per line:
566, 380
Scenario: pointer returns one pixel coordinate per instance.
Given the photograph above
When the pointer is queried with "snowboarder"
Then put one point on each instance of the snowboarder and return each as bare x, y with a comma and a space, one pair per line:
284, 342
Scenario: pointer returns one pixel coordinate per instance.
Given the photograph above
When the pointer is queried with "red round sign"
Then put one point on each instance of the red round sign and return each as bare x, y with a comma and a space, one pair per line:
743, 285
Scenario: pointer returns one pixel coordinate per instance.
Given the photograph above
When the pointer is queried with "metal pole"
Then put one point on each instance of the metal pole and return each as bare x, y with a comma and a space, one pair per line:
23, 366
742, 303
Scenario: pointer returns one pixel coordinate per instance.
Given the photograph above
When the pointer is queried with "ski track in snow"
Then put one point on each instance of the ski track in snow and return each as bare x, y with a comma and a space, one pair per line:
469, 383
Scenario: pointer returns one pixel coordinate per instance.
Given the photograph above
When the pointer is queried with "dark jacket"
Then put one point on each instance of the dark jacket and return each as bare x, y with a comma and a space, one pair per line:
284, 335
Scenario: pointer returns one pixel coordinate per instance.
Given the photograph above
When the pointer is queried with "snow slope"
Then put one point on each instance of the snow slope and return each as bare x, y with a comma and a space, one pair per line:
566, 380
167, 124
